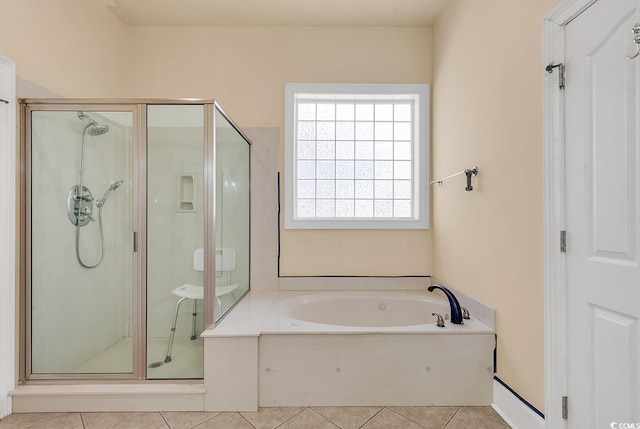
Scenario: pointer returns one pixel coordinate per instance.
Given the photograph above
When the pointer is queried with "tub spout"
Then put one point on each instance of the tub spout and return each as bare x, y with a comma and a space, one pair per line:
456, 310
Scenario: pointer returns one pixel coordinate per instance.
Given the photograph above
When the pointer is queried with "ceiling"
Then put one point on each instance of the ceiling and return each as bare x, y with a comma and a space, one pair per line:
276, 13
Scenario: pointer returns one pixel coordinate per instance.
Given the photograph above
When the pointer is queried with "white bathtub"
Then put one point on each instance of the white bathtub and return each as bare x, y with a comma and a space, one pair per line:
347, 349
365, 309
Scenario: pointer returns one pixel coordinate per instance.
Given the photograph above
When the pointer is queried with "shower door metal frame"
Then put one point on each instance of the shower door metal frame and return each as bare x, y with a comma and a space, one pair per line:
138, 194
210, 317
138, 107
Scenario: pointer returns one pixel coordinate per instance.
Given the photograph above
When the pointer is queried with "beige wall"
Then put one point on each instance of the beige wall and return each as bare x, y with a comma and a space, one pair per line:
487, 104
245, 69
79, 49
73, 48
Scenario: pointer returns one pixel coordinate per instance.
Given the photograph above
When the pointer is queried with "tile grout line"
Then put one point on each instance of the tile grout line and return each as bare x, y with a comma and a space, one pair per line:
326, 417
84, 426
242, 417
53, 416
164, 420
406, 417
329, 420
137, 413
368, 420
493, 418
303, 408
419, 424
319, 412
449, 421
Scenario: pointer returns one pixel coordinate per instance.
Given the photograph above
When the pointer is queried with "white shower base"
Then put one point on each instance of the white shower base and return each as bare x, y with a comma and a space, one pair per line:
188, 359
182, 391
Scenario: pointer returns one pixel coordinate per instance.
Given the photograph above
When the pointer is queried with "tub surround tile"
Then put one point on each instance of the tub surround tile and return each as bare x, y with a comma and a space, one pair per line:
465, 419
105, 420
232, 363
355, 370
388, 419
348, 417
186, 419
429, 417
308, 419
144, 421
264, 207
269, 418
22, 421
226, 421
62, 421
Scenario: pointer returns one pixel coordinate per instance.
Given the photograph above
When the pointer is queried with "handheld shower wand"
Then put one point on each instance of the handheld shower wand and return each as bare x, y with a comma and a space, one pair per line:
113, 187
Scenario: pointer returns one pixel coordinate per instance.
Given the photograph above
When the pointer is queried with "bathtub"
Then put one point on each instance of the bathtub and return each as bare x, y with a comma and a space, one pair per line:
364, 309
364, 348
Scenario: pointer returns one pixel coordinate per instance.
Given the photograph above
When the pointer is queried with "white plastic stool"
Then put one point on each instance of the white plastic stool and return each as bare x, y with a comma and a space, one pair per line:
225, 262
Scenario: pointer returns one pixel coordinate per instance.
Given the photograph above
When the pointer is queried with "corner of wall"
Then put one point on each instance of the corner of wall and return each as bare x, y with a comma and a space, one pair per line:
8, 234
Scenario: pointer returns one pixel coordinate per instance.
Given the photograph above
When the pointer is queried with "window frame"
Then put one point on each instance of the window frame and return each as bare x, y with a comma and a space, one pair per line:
418, 94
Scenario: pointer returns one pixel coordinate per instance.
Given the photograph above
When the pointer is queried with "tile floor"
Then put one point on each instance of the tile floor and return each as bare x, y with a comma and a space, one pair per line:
271, 418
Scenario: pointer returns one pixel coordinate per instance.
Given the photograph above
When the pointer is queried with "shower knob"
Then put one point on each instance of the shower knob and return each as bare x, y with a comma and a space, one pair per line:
86, 211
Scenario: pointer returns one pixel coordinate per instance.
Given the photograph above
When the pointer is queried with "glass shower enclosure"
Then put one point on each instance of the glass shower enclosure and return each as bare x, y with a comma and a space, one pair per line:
136, 235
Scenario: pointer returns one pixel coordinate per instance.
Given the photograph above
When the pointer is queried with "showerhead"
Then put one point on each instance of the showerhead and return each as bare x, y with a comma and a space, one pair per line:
111, 188
97, 129
93, 127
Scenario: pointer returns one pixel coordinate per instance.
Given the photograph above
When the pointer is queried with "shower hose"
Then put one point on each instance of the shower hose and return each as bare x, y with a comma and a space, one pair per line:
80, 261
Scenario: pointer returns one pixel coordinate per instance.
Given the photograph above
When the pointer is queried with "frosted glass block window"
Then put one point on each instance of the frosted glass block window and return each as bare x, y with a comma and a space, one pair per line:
356, 156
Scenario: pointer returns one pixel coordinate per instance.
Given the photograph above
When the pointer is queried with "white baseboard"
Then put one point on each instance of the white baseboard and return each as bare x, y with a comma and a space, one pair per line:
514, 412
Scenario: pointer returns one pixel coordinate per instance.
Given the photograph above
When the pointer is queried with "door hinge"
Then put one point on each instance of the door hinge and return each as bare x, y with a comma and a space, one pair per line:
563, 241
560, 67
565, 412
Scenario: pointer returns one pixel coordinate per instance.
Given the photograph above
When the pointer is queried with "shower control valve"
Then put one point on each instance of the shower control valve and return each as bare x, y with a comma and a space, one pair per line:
86, 211
87, 198
80, 206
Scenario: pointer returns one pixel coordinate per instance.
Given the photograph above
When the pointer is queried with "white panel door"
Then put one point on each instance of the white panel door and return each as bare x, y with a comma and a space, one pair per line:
603, 221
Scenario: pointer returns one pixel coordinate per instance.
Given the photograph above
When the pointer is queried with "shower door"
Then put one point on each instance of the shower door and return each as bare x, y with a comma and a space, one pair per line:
79, 241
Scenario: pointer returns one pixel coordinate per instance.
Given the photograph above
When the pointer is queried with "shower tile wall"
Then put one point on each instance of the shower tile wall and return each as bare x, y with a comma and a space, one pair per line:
172, 235
77, 312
